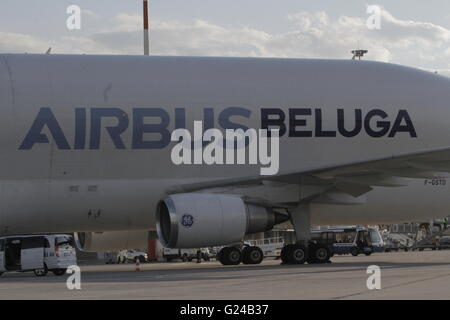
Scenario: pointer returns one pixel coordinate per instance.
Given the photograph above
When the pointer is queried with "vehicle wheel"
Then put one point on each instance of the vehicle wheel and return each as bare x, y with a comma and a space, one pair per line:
354, 251
59, 272
1, 273
185, 258
367, 253
41, 272
141, 259
252, 255
297, 254
319, 254
231, 256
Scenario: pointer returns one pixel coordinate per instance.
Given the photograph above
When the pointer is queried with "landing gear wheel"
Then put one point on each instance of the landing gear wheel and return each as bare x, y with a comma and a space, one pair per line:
230, 256
219, 256
284, 254
296, 254
41, 272
59, 272
252, 255
319, 254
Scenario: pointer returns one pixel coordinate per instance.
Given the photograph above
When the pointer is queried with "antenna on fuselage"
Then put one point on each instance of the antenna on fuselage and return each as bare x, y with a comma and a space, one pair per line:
146, 32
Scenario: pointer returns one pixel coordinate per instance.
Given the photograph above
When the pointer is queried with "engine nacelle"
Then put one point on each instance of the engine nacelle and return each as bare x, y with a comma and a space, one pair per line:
111, 240
195, 220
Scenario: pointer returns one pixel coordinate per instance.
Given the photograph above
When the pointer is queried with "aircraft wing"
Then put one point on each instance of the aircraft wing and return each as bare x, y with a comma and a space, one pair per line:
354, 179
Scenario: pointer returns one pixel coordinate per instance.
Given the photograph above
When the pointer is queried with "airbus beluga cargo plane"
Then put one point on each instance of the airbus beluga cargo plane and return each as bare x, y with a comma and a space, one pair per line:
86, 147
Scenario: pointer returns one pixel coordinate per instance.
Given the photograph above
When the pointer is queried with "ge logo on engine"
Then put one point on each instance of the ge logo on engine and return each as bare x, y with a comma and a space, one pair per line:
187, 220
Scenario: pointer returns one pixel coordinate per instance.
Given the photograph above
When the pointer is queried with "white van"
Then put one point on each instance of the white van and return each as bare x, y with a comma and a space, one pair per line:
38, 253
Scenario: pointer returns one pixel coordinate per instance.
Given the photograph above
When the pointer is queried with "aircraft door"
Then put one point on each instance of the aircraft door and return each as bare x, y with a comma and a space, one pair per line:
32, 254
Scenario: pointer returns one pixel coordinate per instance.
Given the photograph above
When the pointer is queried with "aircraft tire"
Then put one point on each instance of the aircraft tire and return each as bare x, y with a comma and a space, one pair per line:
284, 255
252, 255
230, 256
319, 254
297, 254
219, 256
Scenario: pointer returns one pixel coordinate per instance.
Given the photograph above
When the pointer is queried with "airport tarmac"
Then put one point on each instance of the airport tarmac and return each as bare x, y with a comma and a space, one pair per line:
404, 275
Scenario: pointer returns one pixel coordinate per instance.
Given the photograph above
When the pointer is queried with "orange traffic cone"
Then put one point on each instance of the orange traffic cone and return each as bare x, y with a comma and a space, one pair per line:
138, 265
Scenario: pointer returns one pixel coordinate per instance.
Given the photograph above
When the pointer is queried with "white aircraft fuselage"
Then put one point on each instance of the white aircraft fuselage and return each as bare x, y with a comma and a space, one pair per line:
85, 140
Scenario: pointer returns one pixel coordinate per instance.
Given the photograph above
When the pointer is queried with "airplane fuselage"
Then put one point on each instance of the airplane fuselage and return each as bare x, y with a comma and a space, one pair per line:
86, 142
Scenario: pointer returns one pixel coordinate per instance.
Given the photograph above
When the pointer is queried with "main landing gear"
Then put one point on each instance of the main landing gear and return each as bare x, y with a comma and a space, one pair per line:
304, 250
299, 254
232, 256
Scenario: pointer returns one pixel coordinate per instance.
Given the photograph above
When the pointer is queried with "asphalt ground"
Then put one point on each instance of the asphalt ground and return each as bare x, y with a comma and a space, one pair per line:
404, 275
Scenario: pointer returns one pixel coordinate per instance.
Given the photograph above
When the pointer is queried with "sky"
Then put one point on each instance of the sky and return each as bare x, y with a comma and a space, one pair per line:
411, 32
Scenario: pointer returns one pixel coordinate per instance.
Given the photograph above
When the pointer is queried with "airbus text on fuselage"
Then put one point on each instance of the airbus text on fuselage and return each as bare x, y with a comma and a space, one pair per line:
295, 122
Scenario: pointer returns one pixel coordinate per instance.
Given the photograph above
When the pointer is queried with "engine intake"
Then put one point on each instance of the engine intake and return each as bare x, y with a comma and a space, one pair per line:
196, 220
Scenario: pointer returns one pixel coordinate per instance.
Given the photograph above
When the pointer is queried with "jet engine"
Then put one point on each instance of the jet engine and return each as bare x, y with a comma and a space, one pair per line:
195, 220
